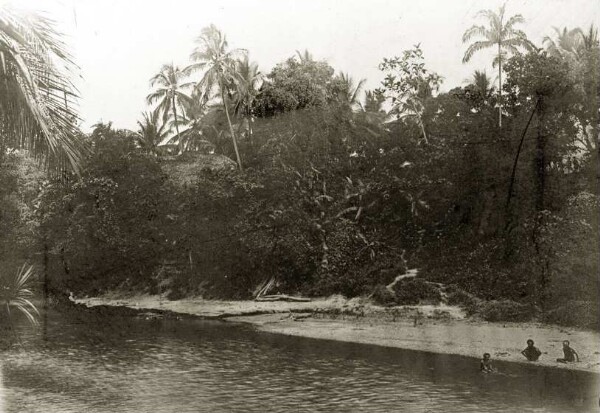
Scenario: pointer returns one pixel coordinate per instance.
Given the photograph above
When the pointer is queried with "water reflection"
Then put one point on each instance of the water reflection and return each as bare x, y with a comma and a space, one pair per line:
103, 364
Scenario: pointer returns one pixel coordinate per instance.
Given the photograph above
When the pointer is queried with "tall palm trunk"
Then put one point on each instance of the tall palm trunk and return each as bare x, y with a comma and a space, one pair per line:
540, 164
499, 85
180, 144
235, 147
249, 112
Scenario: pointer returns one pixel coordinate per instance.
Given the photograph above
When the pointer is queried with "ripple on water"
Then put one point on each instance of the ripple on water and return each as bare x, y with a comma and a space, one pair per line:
95, 365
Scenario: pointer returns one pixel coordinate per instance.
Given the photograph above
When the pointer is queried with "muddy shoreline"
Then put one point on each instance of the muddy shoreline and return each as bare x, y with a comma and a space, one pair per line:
437, 329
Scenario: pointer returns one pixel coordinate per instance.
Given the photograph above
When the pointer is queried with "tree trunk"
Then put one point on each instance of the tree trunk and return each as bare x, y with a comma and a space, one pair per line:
420, 119
235, 147
249, 112
177, 127
540, 165
514, 168
499, 85
46, 291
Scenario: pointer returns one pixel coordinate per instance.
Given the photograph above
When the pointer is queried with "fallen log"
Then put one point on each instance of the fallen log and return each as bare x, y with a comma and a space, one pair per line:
281, 297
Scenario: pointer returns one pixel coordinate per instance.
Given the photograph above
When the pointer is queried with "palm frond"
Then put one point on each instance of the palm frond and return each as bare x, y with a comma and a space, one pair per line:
590, 40
513, 20
305, 56
475, 47
14, 292
498, 32
473, 31
38, 102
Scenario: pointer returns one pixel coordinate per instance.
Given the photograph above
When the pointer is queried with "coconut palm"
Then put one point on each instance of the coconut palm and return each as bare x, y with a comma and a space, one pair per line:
15, 293
501, 34
191, 121
348, 92
247, 86
373, 102
590, 39
218, 64
37, 99
372, 109
482, 84
170, 92
152, 131
580, 50
305, 56
566, 44
571, 44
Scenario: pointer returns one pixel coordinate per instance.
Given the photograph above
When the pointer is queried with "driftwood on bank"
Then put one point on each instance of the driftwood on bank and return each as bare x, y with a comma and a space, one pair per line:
260, 294
281, 297
263, 287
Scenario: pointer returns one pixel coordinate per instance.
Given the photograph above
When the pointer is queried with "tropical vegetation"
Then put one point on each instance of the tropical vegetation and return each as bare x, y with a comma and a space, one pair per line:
296, 180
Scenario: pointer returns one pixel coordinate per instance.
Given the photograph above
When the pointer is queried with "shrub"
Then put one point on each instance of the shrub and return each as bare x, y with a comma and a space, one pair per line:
458, 296
575, 313
505, 310
382, 296
415, 291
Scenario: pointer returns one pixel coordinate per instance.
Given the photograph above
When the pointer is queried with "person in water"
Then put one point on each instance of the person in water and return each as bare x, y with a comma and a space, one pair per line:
531, 353
569, 352
486, 363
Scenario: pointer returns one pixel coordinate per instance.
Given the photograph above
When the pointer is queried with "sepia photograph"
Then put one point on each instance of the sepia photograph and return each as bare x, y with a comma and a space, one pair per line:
346, 206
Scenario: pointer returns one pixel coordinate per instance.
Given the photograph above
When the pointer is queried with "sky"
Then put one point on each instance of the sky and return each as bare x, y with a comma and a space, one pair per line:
120, 44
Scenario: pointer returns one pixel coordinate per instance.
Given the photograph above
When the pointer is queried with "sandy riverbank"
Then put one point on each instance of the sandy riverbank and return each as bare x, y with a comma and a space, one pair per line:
438, 329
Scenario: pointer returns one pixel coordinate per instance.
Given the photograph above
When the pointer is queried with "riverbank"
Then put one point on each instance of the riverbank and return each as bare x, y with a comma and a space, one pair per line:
438, 329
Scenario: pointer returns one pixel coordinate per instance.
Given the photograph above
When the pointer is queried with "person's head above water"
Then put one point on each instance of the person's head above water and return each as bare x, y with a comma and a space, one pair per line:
486, 356
530, 343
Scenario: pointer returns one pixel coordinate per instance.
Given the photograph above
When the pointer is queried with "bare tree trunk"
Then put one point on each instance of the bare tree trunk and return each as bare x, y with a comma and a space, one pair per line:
420, 118
235, 147
180, 144
540, 165
46, 291
499, 85
514, 168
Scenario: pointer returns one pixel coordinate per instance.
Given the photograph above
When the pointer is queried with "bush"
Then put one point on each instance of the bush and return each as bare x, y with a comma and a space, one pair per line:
107, 228
415, 291
382, 296
505, 310
458, 296
575, 313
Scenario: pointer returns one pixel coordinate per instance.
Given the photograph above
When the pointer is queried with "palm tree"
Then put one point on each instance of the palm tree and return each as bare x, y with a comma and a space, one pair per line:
482, 84
372, 108
580, 50
305, 56
349, 92
501, 34
218, 63
373, 102
193, 121
567, 43
572, 44
590, 39
15, 293
152, 131
37, 99
247, 86
170, 92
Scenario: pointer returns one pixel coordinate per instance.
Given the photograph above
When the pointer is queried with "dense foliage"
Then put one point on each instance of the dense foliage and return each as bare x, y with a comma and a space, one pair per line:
337, 197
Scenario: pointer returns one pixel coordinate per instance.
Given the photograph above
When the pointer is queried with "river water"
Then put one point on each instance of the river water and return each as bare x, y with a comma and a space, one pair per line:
85, 362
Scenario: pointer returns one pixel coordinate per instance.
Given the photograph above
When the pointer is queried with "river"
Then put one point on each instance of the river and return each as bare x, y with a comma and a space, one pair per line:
84, 362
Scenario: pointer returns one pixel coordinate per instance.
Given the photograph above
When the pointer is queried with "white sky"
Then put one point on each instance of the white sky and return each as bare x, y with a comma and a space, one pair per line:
120, 44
